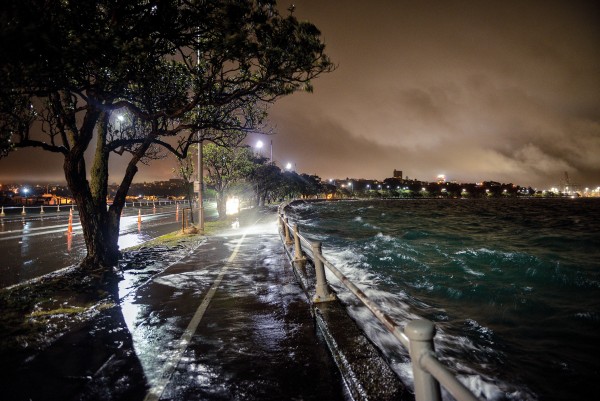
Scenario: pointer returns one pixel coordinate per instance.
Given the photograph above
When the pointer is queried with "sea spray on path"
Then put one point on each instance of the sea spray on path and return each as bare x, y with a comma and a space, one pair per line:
513, 285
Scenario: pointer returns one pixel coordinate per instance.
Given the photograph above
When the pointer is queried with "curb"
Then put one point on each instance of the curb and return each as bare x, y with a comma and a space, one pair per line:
365, 372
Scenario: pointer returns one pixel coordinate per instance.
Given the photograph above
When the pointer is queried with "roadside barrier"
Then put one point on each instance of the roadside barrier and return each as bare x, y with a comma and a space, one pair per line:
42, 208
417, 337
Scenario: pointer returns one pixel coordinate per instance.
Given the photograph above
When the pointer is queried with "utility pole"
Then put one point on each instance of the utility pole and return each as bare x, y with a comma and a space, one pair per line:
200, 171
200, 183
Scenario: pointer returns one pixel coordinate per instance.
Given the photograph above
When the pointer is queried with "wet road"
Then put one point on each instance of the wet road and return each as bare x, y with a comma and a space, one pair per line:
37, 244
226, 321
230, 322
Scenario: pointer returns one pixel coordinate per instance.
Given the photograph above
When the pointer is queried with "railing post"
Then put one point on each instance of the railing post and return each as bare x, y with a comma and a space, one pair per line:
288, 240
322, 291
420, 333
298, 256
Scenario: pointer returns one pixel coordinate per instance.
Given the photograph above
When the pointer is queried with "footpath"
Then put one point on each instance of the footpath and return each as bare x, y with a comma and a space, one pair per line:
228, 322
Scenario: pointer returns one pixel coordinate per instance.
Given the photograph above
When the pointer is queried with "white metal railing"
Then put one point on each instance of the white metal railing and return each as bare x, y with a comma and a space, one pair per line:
43, 209
417, 337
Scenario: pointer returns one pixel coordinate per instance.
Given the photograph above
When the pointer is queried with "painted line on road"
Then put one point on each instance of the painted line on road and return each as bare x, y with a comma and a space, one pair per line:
156, 391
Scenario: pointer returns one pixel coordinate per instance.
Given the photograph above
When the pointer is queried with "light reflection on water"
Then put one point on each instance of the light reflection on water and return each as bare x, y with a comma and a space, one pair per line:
132, 239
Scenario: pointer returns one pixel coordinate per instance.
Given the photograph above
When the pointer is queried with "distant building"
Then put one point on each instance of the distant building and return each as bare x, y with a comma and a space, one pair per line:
398, 174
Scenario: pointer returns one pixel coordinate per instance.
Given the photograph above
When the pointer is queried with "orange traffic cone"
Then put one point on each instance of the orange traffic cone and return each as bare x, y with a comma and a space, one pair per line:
70, 227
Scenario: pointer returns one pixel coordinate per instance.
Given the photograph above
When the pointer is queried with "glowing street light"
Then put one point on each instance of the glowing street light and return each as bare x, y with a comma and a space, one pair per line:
120, 118
288, 166
25, 192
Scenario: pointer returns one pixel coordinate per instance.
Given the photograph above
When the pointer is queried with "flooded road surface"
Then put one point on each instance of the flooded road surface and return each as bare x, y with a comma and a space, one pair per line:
35, 244
225, 321
230, 322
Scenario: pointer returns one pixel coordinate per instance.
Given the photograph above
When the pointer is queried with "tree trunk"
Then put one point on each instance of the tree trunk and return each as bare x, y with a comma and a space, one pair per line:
221, 206
190, 196
100, 228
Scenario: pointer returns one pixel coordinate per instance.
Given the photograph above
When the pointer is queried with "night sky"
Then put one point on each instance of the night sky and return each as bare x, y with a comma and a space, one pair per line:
477, 90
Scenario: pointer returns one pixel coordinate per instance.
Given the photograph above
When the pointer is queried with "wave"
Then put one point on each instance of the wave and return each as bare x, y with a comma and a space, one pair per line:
493, 276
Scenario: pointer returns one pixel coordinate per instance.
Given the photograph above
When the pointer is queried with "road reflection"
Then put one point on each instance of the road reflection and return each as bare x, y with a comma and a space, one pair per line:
37, 244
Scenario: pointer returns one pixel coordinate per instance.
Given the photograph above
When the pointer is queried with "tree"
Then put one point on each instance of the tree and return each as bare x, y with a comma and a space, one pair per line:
180, 71
226, 166
185, 170
266, 179
310, 185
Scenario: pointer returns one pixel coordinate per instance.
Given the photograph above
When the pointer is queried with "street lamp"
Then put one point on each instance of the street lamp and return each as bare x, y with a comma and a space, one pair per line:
288, 166
200, 174
120, 118
25, 192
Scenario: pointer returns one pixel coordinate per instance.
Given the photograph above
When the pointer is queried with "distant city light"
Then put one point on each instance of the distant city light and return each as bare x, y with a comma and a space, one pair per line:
288, 166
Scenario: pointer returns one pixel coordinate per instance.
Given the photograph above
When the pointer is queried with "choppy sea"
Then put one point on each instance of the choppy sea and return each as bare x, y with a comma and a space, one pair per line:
513, 285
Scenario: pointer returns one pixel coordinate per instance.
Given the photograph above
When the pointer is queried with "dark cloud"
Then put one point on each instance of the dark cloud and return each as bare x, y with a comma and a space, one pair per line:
507, 91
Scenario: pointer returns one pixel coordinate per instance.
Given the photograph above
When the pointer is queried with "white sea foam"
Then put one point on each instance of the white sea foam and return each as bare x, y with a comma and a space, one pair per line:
384, 237
436, 256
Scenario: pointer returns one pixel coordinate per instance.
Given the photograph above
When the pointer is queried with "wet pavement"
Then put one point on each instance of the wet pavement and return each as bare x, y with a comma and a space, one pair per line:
230, 320
227, 322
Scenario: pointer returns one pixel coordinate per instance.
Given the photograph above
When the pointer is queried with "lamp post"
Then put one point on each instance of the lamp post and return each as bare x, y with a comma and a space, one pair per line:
25, 192
200, 183
259, 145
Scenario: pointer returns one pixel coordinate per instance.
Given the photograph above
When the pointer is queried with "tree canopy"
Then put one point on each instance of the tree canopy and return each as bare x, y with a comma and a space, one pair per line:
176, 71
